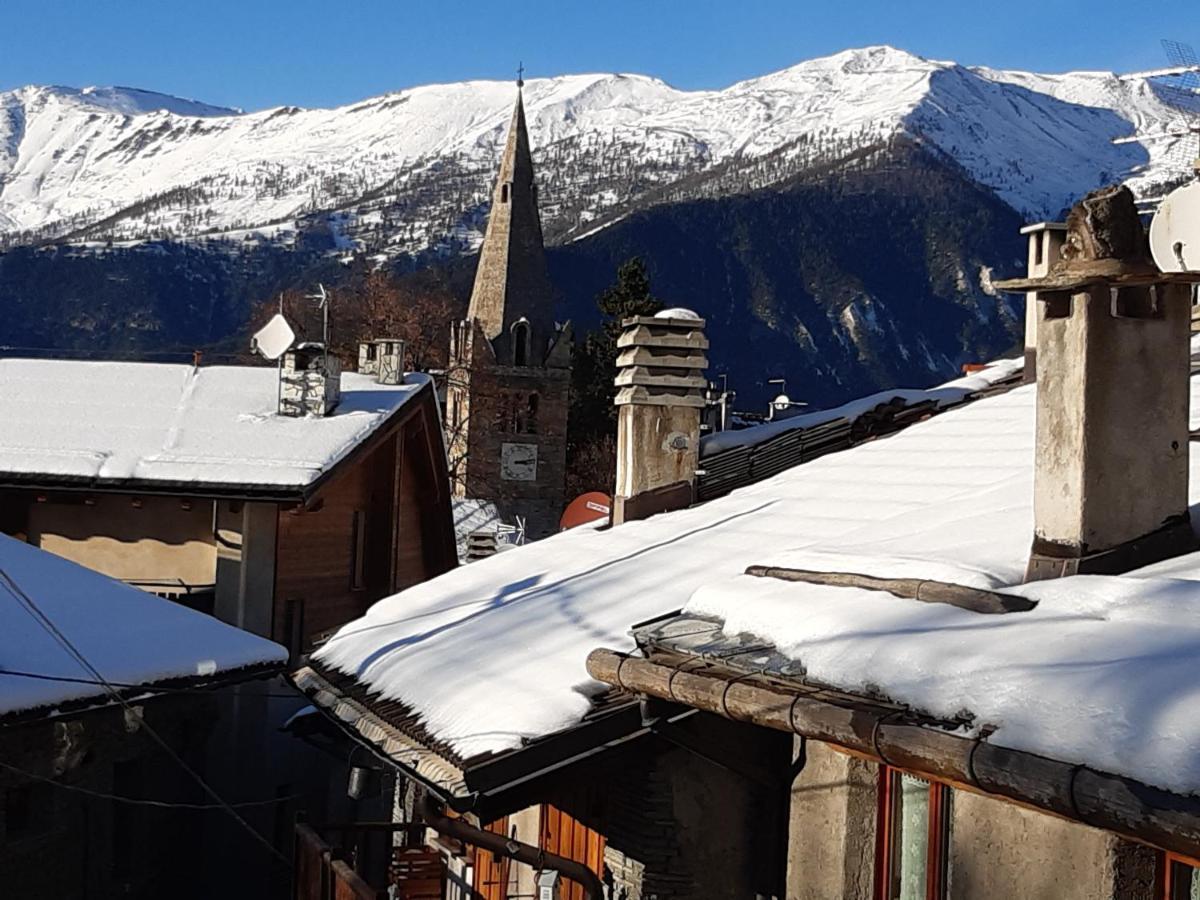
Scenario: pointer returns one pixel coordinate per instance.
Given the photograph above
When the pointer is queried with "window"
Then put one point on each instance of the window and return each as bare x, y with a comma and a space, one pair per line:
520, 339
531, 412
504, 193
359, 557
503, 413
913, 837
1180, 879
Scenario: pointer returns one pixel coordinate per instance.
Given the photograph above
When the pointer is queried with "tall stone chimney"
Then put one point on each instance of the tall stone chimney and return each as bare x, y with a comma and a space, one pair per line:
1045, 250
660, 395
1112, 356
310, 381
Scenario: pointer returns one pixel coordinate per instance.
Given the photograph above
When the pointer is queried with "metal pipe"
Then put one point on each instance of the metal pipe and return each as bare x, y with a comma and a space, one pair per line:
459, 829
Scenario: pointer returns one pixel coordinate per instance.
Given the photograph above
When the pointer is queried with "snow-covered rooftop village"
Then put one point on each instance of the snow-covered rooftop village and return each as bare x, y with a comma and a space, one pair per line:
577, 487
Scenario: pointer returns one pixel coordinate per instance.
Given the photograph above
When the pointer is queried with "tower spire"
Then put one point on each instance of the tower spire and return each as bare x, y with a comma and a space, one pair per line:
511, 283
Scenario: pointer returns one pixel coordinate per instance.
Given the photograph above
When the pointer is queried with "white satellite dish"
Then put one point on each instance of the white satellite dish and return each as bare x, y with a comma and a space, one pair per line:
274, 339
1175, 230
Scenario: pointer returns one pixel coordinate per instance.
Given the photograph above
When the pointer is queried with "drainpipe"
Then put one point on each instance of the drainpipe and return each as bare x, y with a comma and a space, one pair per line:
459, 829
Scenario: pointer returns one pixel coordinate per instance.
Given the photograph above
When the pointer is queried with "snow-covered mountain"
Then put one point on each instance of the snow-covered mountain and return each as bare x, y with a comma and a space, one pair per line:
411, 170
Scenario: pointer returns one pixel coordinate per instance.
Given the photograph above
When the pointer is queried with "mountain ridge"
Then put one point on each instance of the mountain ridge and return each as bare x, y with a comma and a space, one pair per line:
409, 172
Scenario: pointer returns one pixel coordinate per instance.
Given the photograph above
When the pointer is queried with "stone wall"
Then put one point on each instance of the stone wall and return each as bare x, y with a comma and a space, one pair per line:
508, 437
679, 827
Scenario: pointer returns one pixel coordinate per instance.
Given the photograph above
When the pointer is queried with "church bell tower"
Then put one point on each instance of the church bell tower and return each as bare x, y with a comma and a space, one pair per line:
510, 363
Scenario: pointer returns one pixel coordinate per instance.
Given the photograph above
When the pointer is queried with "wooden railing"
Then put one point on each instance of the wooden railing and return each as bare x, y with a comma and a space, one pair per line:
353, 862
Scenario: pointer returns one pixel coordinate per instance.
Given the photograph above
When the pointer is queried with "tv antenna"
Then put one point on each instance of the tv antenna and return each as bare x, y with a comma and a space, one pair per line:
1177, 88
323, 299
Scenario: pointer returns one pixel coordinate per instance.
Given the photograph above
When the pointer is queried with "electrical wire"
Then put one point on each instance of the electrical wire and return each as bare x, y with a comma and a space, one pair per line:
125, 685
47, 624
140, 801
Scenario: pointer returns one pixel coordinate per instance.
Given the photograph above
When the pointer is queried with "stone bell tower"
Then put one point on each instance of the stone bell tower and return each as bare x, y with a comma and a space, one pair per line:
510, 362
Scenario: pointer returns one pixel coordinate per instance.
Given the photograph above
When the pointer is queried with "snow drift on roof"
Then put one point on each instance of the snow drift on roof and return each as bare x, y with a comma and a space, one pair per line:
130, 636
1101, 673
119, 421
494, 652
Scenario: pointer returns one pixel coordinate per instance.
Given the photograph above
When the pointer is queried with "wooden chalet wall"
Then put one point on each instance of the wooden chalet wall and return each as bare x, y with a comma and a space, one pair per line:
559, 833
315, 553
567, 837
397, 491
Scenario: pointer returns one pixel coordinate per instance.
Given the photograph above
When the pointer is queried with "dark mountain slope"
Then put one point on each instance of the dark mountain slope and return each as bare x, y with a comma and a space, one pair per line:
868, 275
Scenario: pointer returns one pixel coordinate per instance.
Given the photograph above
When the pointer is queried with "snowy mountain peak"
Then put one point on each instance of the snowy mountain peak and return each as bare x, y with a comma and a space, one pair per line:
411, 170
125, 101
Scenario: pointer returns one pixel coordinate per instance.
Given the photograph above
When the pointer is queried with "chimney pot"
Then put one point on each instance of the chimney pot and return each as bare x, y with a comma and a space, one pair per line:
310, 381
660, 396
390, 360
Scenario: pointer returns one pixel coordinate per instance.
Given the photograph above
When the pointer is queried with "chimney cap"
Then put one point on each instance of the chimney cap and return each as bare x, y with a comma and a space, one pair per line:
1036, 227
678, 313
1105, 244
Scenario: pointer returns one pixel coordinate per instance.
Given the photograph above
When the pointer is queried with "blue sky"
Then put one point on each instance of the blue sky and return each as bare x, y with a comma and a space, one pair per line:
260, 53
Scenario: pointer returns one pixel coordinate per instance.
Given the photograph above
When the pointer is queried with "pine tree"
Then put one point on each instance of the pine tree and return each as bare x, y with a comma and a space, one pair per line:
592, 419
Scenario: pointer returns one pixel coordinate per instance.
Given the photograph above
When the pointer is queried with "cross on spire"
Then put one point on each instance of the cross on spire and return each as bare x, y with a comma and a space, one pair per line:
520, 75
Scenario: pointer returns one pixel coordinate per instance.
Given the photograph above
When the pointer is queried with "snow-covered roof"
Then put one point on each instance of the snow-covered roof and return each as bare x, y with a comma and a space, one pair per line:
160, 424
493, 654
943, 395
521, 623
130, 636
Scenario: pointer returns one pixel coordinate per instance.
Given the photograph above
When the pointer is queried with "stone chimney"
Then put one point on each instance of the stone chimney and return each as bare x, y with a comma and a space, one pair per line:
368, 358
1045, 249
383, 358
310, 381
660, 395
390, 358
1112, 356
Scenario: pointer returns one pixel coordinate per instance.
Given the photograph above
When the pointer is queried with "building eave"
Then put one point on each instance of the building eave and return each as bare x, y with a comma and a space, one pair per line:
140, 693
488, 785
729, 678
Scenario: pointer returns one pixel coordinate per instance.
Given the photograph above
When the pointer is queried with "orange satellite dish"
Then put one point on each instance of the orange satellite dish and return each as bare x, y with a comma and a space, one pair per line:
586, 508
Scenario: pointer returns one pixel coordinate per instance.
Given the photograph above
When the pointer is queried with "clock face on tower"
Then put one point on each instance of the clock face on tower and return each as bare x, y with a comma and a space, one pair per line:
518, 462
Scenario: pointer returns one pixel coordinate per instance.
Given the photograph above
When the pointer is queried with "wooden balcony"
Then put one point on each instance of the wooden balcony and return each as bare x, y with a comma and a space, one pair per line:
362, 860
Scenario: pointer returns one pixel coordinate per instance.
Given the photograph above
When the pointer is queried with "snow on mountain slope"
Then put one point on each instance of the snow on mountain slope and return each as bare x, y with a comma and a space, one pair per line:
412, 169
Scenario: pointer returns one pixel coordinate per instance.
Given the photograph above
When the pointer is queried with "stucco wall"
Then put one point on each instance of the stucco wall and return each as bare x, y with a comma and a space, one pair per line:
997, 850
1001, 850
159, 540
831, 847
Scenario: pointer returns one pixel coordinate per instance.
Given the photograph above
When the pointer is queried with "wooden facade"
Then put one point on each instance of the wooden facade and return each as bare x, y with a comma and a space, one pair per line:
498, 878
377, 521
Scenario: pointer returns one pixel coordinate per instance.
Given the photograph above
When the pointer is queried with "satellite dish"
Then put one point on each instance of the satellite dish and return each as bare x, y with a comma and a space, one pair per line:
590, 507
274, 339
1175, 231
